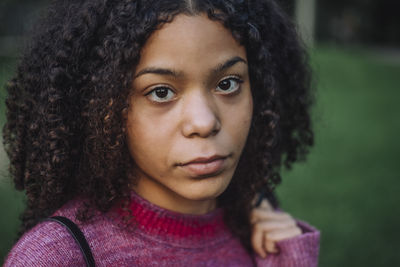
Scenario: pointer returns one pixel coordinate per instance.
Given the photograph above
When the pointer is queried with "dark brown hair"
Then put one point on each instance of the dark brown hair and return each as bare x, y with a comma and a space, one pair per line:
64, 133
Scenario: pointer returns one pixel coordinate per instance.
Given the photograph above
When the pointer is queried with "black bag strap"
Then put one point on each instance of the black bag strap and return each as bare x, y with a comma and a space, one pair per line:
78, 236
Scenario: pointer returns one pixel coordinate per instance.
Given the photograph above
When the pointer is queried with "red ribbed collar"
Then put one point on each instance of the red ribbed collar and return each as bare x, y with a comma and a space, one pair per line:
158, 222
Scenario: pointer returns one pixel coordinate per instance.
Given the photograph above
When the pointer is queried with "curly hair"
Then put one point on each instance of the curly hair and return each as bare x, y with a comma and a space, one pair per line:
65, 133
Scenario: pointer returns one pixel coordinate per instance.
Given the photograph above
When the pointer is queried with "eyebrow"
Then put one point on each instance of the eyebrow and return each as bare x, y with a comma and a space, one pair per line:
176, 74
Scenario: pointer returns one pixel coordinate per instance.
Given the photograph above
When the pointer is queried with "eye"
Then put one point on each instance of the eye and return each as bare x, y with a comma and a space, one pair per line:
229, 85
161, 94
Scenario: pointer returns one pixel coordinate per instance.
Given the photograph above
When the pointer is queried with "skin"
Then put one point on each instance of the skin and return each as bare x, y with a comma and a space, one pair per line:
191, 99
195, 119
269, 227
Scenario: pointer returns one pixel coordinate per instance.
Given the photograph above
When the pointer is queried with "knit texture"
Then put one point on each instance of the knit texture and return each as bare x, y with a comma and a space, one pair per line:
143, 234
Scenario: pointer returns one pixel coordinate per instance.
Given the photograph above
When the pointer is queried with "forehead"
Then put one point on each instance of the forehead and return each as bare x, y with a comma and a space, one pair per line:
190, 42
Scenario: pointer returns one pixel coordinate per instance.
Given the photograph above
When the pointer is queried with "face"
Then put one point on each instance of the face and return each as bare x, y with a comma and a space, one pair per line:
190, 113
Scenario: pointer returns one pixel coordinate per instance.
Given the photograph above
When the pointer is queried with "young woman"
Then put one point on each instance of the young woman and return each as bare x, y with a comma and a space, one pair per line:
153, 125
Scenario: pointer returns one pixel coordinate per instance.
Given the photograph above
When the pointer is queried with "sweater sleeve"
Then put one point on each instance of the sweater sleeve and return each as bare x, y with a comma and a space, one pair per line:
47, 244
299, 251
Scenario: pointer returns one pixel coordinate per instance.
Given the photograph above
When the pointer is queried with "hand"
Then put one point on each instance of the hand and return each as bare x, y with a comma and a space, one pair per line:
270, 226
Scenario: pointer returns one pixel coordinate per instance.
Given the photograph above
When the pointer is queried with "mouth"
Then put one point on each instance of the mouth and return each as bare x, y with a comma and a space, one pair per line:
205, 166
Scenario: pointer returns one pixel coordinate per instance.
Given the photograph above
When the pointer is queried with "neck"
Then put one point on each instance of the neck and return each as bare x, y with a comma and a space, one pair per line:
168, 199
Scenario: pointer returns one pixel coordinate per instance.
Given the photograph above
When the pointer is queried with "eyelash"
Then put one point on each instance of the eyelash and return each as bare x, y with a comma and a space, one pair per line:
159, 88
232, 78
229, 78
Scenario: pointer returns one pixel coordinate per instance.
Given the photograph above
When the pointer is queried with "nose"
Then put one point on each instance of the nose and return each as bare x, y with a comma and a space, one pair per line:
200, 116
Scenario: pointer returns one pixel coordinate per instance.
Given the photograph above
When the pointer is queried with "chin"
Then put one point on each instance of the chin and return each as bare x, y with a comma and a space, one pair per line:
205, 190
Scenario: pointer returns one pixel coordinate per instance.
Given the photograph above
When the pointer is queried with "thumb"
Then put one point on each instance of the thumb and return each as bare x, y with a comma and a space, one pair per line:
266, 205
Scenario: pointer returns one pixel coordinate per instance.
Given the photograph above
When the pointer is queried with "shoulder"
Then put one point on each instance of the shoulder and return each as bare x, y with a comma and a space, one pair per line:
47, 244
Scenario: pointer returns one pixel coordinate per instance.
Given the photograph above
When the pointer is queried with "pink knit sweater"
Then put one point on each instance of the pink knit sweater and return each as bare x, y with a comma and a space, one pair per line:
153, 236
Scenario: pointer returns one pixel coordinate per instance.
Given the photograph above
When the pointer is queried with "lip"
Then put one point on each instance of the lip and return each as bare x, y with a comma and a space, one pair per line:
205, 166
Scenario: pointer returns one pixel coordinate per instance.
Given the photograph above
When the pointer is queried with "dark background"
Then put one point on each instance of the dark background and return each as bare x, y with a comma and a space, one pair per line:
348, 186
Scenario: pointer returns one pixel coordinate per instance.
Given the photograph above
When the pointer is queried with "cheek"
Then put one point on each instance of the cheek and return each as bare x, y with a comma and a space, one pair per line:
148, 138
238, 120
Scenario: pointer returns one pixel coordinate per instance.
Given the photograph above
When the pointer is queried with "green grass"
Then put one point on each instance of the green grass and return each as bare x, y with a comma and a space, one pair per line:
347, 188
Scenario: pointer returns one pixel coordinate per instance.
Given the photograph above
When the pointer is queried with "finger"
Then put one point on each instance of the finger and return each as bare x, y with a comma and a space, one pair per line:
282, 234
273, 225
257, 242
270, 246
259, 214
266, 205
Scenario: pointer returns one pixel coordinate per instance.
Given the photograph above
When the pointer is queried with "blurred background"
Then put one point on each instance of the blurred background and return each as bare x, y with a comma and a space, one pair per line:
348, 185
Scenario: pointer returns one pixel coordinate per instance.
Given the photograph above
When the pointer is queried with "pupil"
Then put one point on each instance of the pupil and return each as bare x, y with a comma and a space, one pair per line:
225, 85
162, 92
